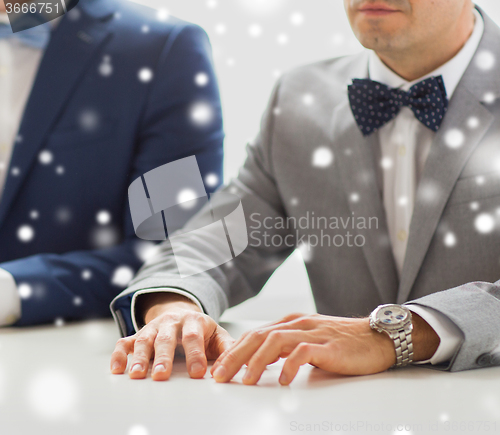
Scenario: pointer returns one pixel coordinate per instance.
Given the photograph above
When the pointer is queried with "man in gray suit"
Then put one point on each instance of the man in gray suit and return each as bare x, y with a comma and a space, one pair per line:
386, 165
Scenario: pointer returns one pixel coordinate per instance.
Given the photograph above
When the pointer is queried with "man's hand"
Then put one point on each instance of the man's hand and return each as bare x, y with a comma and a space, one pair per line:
345, 346
172, 320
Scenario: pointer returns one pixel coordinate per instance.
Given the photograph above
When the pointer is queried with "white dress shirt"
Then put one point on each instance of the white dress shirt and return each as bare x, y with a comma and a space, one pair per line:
18, 67
405, 145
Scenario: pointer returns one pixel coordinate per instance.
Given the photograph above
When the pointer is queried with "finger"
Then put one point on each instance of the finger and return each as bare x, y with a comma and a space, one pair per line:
143, 350
271, 326
123, 348
220, 341
304, 353
277, 342
227, 345
245, 335
219, 359
247, 345
238, 354
235, 343
217, 363
165, 344
219, 345
193, 342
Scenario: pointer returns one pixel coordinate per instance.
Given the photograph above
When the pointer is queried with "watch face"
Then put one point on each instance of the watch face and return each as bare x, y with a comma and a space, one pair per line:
392, 316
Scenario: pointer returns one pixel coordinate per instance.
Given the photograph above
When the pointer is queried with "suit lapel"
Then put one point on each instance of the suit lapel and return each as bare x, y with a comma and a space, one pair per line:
452, 147
358, 168
442, 169
72, 46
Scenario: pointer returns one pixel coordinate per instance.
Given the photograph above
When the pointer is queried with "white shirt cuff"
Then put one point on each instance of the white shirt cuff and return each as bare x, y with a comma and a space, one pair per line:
160, 290
10, 302
450, 335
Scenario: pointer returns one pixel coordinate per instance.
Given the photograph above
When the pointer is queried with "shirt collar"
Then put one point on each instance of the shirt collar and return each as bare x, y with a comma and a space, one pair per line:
452, 71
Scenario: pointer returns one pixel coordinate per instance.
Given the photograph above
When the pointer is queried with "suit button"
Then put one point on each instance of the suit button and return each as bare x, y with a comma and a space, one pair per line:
484, 360
402, 236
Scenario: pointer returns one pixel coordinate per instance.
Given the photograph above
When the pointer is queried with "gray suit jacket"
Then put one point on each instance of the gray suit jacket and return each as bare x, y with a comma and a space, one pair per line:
279, 180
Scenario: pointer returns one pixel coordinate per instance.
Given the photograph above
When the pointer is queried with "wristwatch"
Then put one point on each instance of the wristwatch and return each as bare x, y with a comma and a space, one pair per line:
395, 321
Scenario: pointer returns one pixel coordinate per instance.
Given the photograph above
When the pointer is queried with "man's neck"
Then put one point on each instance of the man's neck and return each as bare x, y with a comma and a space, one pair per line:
413, 64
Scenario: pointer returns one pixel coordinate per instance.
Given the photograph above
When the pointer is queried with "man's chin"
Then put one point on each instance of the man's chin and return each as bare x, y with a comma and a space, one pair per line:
378, 40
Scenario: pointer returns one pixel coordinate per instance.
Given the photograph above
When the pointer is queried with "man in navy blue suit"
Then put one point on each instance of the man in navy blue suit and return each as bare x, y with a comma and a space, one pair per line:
89, 103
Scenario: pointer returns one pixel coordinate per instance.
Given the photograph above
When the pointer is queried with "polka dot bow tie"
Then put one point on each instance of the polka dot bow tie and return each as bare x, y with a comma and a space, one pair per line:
374, 104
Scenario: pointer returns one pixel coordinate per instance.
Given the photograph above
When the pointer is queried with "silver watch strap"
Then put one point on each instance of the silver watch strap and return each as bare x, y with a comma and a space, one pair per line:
404, 348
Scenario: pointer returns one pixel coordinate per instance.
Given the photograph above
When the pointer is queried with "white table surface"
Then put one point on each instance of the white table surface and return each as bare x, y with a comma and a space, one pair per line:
56, 380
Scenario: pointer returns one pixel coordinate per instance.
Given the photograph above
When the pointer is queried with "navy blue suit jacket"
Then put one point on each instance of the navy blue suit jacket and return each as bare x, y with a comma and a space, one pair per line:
103, 127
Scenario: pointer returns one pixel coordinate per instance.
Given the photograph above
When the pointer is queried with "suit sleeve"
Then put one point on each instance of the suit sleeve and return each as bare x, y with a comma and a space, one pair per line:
474, 308
450, 336
243, 277
78, 285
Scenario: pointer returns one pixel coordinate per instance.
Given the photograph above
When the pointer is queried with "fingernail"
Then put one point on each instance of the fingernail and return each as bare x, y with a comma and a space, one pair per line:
248, 375
283, 379
159, 368
220, 372
136, 368
196, 367
213, 369
116, 366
